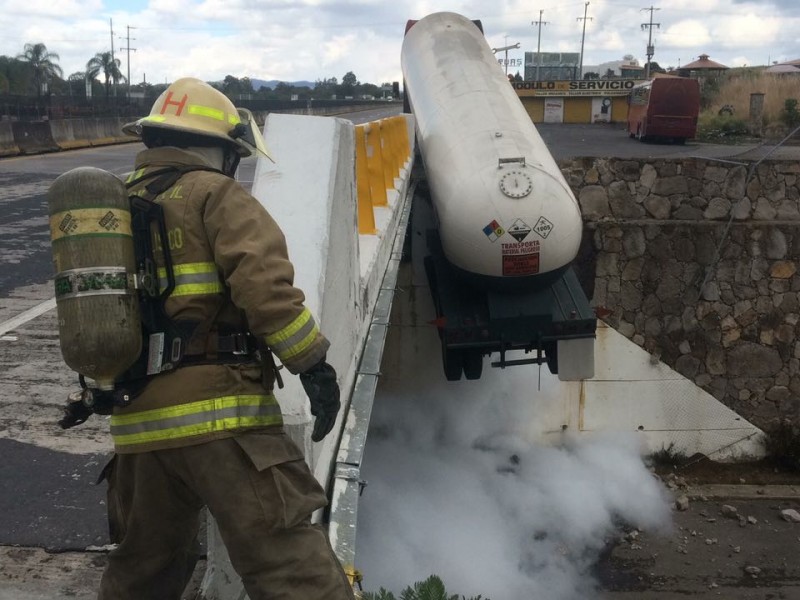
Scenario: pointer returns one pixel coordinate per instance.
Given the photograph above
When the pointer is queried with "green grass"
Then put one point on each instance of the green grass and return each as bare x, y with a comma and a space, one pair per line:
430, 589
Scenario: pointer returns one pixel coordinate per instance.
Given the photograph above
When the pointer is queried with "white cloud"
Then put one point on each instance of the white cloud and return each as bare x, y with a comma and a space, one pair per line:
315, 39
689, 33
749, 31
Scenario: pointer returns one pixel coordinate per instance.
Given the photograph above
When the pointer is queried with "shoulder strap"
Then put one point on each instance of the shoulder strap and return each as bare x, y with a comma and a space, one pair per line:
165, 178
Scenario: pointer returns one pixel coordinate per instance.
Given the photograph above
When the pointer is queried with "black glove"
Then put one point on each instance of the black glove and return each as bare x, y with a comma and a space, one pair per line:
320, 385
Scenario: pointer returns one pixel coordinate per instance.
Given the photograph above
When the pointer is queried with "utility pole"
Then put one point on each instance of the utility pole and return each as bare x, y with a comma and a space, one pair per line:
539, 24
583, 37
111, 26
128, 48
506, 49
650, 48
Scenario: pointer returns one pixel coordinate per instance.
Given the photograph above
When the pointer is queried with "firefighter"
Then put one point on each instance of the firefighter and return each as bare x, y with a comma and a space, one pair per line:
208, 433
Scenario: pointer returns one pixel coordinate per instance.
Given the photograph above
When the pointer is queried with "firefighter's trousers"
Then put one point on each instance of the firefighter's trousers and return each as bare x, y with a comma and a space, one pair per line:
262, 510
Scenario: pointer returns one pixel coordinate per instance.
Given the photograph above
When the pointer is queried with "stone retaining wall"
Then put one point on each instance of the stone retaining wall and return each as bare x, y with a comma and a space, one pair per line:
656, 230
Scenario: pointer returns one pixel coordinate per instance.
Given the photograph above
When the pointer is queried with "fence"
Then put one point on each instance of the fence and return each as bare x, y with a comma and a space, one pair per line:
45, 108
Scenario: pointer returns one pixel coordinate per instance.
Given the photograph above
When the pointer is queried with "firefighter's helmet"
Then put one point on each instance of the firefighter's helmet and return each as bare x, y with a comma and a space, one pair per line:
191, 106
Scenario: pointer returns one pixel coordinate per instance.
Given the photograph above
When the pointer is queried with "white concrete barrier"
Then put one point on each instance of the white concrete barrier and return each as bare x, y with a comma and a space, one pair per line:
310, 191
8, 147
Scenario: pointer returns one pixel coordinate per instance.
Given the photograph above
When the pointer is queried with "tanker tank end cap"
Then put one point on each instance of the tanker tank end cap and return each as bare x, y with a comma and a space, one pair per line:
516, 184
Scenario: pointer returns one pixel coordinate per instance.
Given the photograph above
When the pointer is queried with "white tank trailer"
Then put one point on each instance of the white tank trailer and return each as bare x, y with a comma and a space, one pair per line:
506, 225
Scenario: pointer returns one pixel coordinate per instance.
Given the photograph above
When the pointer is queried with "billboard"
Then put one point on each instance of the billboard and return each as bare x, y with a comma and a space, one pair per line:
576, 87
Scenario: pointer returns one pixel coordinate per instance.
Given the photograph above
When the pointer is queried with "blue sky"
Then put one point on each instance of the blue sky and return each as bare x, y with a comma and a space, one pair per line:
315, 39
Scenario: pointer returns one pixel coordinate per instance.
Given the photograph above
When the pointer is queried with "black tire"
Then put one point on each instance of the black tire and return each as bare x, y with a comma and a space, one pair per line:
473, 364
452, 363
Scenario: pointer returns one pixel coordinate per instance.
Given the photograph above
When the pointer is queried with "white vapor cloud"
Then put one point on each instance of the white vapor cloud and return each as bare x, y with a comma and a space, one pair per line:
458, 486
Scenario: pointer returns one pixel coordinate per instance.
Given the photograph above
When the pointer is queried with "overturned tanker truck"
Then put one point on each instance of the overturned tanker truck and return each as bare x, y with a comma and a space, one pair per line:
501, 226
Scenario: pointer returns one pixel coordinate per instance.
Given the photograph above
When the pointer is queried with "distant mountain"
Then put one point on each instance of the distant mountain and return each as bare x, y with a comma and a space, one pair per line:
259, 83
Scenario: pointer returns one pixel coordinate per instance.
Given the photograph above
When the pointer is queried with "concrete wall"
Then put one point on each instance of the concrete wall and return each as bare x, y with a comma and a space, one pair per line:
34, 137
654, 229
8, 147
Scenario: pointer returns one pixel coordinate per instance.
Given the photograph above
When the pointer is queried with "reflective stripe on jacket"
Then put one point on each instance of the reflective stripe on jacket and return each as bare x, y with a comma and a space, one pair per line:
231, 272
195, 418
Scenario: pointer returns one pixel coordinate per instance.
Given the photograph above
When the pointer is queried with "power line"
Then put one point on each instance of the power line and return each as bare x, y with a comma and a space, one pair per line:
539, 23
650, 48
583, 37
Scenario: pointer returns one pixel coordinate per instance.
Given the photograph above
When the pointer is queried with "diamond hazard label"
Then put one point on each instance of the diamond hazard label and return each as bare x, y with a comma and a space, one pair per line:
543, 227
493, 231
519, 230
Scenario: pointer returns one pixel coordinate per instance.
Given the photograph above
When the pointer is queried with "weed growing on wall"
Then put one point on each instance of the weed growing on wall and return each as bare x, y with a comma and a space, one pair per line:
430, 589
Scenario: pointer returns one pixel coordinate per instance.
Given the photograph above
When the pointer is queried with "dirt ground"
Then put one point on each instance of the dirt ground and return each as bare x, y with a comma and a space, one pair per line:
729, 539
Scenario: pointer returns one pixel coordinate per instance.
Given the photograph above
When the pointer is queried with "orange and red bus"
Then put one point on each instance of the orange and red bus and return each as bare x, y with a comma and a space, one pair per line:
665, 107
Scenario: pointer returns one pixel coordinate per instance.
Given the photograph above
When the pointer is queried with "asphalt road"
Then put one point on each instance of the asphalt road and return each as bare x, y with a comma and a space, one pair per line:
52, 516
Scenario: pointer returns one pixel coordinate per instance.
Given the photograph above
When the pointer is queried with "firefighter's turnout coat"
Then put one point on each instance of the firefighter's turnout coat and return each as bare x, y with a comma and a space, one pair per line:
232, 273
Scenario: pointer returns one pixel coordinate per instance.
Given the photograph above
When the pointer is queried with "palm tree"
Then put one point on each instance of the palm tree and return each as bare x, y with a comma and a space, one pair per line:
104, 62
42, 62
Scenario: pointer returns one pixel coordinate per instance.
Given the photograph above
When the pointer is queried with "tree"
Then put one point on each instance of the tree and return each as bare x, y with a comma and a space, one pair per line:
17, 75
246, 86
349, 84
104, 62
231, 86
285, 91
591, 75
43, 64
325, 88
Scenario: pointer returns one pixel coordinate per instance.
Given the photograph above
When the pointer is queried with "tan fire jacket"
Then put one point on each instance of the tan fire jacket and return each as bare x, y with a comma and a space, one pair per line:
231, 272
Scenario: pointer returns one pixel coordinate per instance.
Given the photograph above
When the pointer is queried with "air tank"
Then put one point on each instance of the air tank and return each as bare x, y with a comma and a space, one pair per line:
95, 264
502, 205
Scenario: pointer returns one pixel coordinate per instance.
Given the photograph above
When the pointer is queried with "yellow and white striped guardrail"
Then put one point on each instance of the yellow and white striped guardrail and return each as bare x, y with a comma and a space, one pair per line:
382, 150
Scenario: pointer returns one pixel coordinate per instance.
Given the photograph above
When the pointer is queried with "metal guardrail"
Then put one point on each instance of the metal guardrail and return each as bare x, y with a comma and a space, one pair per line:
347, 482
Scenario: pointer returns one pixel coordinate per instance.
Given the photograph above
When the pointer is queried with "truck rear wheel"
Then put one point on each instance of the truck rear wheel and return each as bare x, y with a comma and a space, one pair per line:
473, 364
452, 363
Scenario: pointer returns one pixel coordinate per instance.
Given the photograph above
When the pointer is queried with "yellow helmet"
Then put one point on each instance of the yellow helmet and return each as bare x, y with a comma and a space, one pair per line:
189, 105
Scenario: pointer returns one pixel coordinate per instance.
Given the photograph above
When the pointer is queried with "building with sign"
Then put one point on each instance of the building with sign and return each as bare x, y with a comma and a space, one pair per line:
551, 66
576, 101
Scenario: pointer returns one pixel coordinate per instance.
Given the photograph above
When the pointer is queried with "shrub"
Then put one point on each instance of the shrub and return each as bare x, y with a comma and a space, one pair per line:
790, 115
783, 446
723, 127
430, 589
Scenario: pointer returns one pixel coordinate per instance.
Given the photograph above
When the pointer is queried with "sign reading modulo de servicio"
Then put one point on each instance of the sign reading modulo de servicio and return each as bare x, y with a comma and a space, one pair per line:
594, 87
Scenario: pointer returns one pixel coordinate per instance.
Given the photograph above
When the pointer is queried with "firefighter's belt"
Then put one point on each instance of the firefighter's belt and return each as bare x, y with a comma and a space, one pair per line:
238, 343
224, 348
